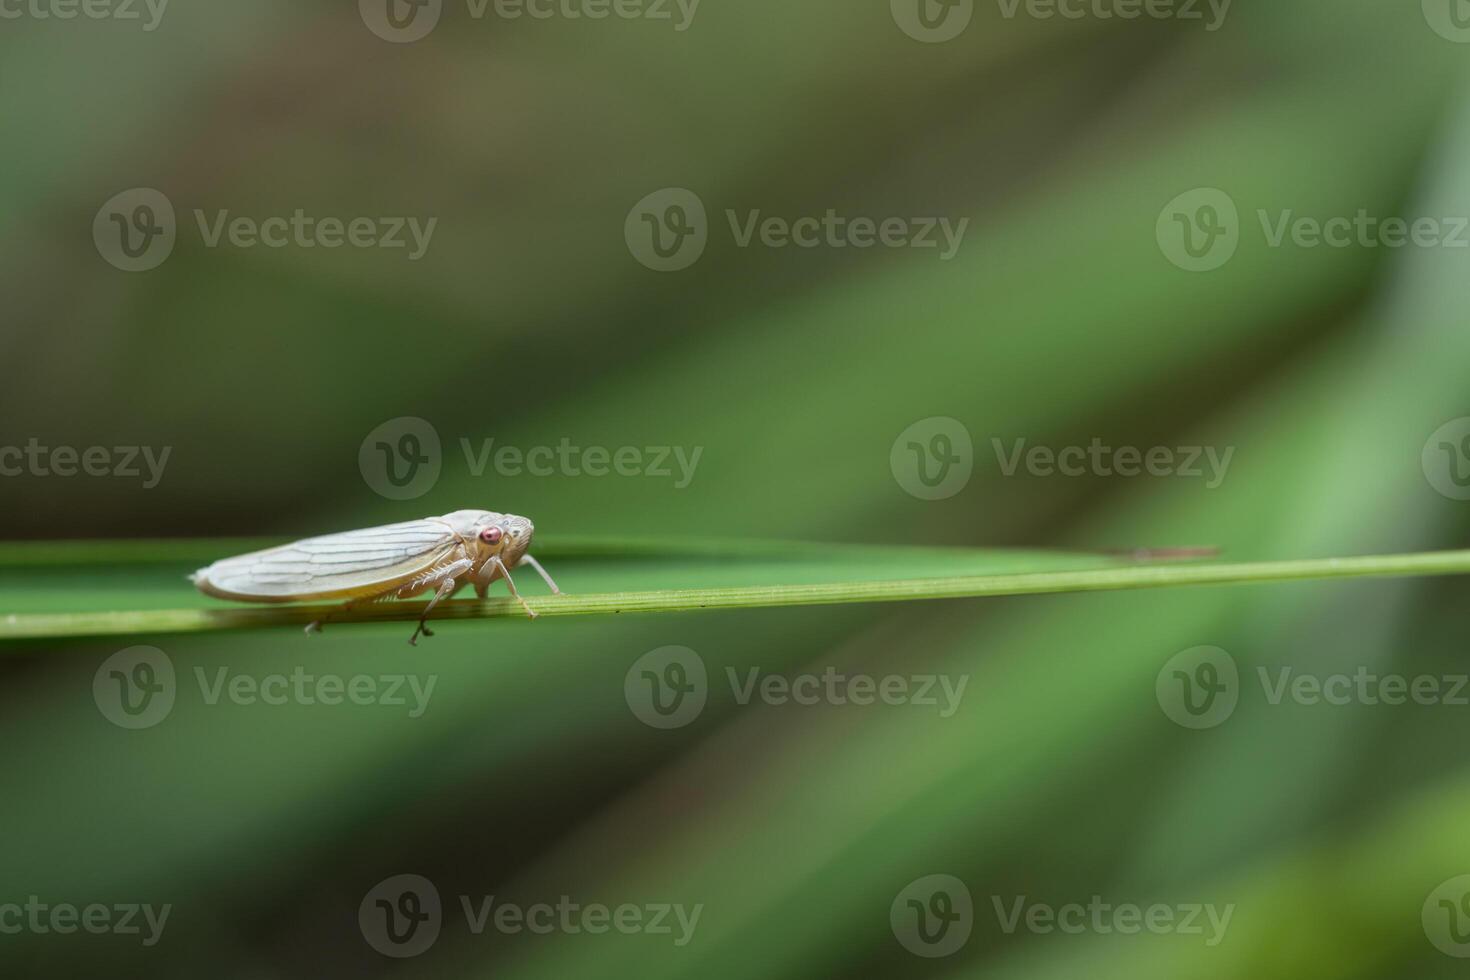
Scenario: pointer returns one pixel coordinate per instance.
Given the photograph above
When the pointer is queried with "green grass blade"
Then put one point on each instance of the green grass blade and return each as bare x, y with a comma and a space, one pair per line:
1137, 576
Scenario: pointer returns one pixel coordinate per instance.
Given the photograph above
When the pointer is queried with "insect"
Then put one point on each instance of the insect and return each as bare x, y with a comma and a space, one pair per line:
397, 561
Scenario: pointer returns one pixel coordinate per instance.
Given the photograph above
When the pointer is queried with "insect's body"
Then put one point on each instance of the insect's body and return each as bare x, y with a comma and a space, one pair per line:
398, 561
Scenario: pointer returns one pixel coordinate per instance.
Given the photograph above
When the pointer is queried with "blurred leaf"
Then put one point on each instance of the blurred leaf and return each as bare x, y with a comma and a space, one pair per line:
860, 575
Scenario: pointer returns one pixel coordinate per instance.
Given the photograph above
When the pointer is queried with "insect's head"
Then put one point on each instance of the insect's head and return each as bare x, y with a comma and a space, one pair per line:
506, 536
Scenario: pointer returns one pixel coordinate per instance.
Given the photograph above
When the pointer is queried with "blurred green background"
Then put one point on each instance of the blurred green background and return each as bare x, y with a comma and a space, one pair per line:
1062, 318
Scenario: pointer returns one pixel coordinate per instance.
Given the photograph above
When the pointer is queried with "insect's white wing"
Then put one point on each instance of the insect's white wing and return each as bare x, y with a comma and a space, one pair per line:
347, 564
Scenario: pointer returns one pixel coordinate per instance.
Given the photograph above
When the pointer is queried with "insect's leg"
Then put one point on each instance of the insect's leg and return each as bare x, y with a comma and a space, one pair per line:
445, 581
528, 560
447, 588
315, 626
457, 583
484, 577
505, 573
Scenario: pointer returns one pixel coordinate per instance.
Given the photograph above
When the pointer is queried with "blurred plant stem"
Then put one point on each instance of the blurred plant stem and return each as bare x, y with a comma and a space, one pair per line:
156, 621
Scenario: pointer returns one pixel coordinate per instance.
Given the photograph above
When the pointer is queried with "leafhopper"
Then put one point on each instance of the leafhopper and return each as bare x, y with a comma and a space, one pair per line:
397, 561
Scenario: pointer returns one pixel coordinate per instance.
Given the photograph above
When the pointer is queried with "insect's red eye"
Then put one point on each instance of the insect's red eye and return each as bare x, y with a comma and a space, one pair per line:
491, 535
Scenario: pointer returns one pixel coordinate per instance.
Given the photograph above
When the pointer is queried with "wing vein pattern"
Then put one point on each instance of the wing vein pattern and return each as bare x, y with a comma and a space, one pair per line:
336, 563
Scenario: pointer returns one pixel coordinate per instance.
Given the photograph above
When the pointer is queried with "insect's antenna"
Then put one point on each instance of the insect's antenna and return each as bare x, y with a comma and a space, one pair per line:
528, 560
